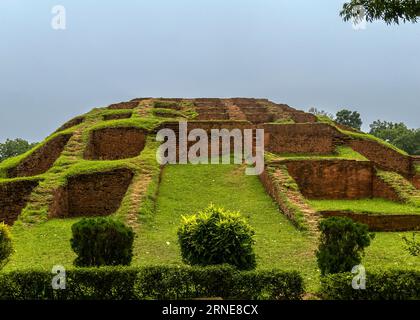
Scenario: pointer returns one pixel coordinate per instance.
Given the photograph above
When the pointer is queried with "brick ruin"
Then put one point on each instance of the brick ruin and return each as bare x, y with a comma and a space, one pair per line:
287, 132
13, 198
41, 159
115, 143
97, 194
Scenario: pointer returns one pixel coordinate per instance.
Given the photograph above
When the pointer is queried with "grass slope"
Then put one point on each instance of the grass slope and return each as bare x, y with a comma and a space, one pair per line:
380, 206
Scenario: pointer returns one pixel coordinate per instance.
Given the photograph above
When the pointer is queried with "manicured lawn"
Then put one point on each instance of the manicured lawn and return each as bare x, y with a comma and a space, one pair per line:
186, 189
381, 206
42, 246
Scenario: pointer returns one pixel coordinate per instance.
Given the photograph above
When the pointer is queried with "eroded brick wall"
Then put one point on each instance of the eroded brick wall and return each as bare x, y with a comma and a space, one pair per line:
385, 222
315, 138
97, 194
125, 105
383, 190
115, 143
333, 179
42, 159
383, 156
13, 198
73, 122
415, 180
117, 116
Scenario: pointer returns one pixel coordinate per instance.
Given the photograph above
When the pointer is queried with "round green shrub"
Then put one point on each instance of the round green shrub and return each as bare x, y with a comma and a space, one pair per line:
6, 248
342, 244
102, 241
216, 236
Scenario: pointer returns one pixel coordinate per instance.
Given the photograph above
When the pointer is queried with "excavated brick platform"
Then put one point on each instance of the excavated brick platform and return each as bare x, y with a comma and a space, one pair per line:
333, 179
42, 159
13, 198
317, 138
376, 222
115, 143
211, 109
253, 111
97, 194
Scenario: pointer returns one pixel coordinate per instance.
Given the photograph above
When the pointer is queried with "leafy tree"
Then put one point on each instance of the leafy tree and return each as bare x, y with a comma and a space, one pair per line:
216, 236
341, 245
397, 134
12, 148
349, 118
412, 245
390, 11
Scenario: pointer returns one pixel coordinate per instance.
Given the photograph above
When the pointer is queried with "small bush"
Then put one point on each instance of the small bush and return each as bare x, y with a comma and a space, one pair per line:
215, 236
380, 285
6, 248
102, 242
342, 244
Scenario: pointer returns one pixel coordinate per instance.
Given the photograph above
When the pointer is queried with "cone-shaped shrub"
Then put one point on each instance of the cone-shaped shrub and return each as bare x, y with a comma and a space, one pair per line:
342, 244
216, 236
102, 242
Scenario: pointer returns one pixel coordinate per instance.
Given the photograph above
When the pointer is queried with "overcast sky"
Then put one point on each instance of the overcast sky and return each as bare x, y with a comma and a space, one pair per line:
297, 52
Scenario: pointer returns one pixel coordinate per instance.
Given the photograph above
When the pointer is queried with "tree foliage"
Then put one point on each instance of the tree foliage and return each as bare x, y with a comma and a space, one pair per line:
390, 11
397, 134
12, 148
349, 118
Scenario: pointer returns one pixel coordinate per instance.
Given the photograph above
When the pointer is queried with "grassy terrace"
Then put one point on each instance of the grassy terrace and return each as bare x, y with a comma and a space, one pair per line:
186, 189
378, 206
341, 152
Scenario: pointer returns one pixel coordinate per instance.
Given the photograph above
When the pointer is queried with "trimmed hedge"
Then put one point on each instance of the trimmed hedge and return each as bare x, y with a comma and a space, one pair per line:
382, 285
155, 282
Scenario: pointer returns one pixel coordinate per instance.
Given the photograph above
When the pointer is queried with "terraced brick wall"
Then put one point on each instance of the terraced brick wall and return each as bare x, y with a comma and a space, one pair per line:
383, 156
13, 198
333, 179
42, 159
317, 138
115, 143
383, 222
97, 194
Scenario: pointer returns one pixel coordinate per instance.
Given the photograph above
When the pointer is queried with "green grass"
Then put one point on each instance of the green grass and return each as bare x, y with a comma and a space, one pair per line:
42, 246
365, 206
417, 168
341, 152
185, 189
387, 252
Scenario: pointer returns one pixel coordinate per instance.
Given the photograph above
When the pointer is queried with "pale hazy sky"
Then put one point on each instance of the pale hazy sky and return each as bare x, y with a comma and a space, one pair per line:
297, 52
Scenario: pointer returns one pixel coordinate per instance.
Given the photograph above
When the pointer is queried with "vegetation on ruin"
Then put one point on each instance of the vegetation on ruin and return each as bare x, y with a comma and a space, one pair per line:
375, 205
155, 213
341, 152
